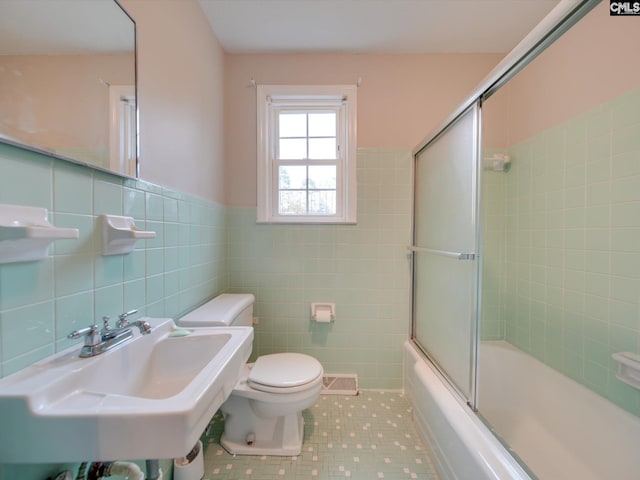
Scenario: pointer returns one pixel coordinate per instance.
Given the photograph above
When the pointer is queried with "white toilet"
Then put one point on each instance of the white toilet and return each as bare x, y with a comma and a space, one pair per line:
263, 414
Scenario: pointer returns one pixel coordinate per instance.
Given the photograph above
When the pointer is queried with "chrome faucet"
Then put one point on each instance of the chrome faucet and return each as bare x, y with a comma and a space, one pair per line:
99, 341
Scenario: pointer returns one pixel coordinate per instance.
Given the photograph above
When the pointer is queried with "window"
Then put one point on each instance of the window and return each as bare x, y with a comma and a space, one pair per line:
306, 154
122, 129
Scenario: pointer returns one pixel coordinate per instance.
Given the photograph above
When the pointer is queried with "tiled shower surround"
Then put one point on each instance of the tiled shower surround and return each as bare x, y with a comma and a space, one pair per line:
562, 247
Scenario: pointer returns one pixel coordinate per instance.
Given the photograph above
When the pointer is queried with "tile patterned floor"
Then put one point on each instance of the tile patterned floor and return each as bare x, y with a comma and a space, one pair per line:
365, 437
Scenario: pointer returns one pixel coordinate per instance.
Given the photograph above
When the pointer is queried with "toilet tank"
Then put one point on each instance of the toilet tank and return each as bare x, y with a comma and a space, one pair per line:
228, 309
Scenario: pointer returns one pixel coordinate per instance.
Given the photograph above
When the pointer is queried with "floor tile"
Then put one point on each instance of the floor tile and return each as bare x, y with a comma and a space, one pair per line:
364, 437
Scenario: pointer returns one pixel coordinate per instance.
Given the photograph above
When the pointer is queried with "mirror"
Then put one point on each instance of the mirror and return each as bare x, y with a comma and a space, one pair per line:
67, 81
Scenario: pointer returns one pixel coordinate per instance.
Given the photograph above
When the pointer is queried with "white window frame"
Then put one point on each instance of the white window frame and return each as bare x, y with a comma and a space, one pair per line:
122, 129
271, 99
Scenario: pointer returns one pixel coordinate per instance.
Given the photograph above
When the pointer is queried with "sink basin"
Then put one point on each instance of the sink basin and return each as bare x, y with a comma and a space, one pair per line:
151, 397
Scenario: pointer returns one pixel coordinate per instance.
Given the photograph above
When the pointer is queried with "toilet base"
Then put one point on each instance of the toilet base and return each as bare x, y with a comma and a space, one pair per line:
290, 427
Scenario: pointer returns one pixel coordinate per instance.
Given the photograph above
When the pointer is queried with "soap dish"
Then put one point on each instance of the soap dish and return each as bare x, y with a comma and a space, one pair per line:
25, 233
628, 368
119, 234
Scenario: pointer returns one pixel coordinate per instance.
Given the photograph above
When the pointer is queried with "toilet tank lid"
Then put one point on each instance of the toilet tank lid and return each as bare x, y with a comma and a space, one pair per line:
220, 311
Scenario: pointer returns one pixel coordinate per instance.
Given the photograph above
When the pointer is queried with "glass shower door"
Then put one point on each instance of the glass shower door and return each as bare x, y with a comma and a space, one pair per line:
444, 246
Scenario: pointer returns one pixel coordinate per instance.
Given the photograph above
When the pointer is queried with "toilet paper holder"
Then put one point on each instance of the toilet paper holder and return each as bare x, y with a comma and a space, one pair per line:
323, 312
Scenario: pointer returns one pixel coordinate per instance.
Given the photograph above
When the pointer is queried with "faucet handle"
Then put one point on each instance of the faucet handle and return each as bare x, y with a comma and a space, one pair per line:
91, 335
122, 318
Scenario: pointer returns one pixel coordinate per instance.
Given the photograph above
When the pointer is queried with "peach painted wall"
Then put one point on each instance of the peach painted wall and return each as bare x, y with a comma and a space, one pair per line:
402, 98
564, 81
61, 102
180, 80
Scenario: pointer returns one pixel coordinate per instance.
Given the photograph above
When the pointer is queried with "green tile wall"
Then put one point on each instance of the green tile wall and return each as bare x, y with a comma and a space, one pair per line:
201, 249
570, 251
41, 302
363, 268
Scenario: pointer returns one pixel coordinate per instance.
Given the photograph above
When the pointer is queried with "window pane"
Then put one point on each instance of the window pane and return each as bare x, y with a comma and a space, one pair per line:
292, 177
322, 176
322, 124
292, 202
322, 148
293, 124
293, 149
322, 202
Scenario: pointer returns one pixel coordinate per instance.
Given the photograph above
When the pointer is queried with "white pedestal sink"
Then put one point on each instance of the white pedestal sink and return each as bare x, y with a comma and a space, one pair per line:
151, 397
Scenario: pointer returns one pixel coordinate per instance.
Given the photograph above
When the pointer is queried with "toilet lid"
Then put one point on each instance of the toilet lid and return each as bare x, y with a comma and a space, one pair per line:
283, 371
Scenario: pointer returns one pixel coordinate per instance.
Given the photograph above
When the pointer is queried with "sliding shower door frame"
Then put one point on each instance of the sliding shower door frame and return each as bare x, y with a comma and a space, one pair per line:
561, 19
469, 397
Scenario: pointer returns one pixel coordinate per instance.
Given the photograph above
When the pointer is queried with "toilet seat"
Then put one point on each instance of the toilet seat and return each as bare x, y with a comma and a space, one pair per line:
284, 372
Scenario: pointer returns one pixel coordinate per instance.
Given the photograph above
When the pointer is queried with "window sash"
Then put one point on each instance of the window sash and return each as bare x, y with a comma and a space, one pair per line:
277, 162
274, 138
338, 190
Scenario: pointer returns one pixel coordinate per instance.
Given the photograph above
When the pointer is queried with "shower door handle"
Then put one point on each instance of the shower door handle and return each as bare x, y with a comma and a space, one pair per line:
443, 253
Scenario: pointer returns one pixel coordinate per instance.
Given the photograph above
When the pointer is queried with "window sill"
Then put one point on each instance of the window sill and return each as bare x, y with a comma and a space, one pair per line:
301, 221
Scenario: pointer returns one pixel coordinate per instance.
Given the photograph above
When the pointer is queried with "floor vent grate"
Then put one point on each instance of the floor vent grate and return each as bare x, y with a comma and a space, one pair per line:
340, 384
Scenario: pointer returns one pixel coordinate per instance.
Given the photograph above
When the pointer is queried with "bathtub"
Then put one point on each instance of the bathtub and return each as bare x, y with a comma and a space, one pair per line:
558, 427
461, 446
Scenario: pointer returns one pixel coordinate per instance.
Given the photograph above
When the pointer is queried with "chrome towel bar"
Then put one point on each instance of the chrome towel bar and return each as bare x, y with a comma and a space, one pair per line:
444, 253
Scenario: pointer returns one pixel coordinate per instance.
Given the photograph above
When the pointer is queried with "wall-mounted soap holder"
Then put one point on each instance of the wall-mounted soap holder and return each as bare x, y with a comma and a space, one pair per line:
119, 234
25, 233
628, 368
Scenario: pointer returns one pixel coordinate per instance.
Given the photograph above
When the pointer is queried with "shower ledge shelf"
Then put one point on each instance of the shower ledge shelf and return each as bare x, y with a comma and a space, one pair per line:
25, 233
628, 368
119, 234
